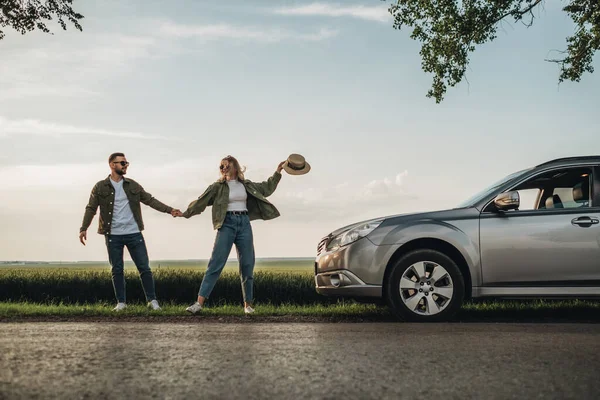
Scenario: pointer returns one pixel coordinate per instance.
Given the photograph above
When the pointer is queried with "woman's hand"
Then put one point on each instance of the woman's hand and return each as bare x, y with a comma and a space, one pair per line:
280, 166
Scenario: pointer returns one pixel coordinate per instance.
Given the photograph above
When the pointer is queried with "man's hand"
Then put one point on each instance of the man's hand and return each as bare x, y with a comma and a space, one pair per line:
176, 213
280, 166
83, 237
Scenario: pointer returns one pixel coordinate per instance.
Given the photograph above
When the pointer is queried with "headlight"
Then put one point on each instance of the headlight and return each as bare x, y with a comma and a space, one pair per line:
353, 234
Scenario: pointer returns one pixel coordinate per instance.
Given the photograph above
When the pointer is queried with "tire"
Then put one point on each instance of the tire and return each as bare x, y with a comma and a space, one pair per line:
428, 298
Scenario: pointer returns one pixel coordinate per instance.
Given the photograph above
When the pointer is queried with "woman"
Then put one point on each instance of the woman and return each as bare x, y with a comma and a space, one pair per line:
235, 202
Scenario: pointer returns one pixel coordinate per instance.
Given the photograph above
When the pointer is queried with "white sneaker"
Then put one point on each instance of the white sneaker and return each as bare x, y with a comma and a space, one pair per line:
248, 310
194, 308
154, 305
120, 307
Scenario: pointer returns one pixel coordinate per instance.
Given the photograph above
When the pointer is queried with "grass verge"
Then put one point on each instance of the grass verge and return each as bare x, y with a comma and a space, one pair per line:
533, 311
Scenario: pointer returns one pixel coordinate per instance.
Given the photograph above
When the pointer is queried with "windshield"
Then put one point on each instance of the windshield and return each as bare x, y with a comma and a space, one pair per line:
490, 189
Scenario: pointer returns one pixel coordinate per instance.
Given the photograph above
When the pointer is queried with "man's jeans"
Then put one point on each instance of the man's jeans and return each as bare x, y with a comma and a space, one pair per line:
236, 230
139, 254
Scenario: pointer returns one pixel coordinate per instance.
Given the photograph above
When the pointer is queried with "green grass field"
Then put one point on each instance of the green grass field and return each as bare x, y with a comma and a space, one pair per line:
283, 287
276, 281
294, 265
179, 285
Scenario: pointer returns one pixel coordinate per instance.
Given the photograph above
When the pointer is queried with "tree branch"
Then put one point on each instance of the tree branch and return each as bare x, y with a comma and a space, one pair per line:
516, 14
519, 13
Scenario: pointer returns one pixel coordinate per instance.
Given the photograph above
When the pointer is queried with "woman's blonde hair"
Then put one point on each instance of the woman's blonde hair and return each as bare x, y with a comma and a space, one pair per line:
233, 161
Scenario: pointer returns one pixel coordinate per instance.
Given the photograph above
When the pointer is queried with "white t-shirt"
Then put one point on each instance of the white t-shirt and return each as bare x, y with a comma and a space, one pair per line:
237, 196
123, 222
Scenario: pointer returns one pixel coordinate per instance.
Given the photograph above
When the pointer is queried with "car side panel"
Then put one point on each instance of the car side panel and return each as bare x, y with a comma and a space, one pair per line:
462, 233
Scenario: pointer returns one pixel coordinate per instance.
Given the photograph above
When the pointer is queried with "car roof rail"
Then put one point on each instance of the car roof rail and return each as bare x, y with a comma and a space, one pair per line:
568, 159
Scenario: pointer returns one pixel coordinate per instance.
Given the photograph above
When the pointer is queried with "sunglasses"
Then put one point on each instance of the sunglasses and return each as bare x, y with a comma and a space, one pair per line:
123, 163
228, 158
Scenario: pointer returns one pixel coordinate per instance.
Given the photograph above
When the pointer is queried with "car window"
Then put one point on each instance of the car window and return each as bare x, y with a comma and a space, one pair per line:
567, 200
557, 189
528, 199
490, 189
565, 188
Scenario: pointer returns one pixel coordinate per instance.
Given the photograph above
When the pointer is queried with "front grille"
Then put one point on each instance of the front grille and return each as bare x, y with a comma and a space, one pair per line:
322, 244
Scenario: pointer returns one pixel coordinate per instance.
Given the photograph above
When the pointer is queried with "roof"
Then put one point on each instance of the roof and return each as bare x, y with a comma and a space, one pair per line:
570, 159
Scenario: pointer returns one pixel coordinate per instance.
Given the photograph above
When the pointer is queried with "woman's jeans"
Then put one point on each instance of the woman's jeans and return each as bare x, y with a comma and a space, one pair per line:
136, 245
236, 230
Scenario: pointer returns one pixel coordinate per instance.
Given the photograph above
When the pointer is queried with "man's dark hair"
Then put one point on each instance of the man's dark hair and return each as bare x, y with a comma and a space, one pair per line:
115, 155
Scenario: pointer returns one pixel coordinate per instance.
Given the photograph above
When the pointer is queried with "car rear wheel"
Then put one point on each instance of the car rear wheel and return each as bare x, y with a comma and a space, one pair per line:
425, 285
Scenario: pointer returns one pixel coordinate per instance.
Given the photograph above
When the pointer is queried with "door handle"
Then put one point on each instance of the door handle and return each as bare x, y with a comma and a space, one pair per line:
585, 222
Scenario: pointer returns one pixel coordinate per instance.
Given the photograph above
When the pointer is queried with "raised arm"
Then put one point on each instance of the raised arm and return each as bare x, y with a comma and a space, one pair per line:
268, 187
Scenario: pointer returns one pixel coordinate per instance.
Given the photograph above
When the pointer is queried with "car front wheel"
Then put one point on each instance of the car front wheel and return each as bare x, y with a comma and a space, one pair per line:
425, 286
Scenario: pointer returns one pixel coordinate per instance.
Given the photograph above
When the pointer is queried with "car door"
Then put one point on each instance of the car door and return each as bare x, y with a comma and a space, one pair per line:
555, 242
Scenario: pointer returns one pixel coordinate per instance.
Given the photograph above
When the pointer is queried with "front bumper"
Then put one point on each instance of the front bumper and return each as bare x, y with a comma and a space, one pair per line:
345, 283
349, 271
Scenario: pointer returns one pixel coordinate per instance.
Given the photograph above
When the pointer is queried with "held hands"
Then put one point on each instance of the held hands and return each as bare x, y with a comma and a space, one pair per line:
176, 213
280, 166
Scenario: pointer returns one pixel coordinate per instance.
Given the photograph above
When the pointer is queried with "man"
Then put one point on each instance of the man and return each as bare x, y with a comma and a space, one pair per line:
121, 223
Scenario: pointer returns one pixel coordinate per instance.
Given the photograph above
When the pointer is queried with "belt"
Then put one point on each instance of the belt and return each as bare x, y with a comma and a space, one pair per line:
238, 212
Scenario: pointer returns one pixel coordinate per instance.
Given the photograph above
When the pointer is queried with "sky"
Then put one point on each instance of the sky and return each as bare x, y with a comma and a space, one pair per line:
178, 88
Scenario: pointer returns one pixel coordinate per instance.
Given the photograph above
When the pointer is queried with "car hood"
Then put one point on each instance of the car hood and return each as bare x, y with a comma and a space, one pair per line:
440, 215
448, 214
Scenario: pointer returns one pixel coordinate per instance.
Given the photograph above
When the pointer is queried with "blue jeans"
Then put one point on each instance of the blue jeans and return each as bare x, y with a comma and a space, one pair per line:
136, 245
236, 230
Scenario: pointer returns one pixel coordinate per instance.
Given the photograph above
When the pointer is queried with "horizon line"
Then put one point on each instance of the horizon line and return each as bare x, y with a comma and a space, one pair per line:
152, 261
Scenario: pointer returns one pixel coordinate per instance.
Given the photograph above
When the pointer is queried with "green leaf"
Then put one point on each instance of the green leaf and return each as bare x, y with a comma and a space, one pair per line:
27, 15
449, 30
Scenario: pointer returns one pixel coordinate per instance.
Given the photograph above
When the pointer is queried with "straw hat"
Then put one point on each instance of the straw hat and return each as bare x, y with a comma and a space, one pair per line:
296, 165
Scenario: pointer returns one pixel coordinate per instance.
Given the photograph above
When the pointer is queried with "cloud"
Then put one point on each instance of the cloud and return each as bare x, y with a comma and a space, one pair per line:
81, 66
322, 202
310, 212
255, 34
73, 69
40, 128
371, 13
385, 186
37, 177
351, 194
187, 177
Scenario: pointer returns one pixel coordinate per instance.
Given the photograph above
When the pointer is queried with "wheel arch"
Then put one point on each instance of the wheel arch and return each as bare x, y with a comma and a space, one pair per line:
431, 244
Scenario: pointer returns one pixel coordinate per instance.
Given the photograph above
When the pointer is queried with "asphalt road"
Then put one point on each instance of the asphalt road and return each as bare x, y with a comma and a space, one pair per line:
299, 361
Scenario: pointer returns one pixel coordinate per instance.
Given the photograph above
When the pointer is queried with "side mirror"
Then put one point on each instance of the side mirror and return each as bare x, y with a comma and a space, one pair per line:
507, 201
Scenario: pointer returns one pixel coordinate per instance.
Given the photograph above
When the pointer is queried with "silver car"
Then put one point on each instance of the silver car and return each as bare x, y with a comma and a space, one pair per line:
534, 234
